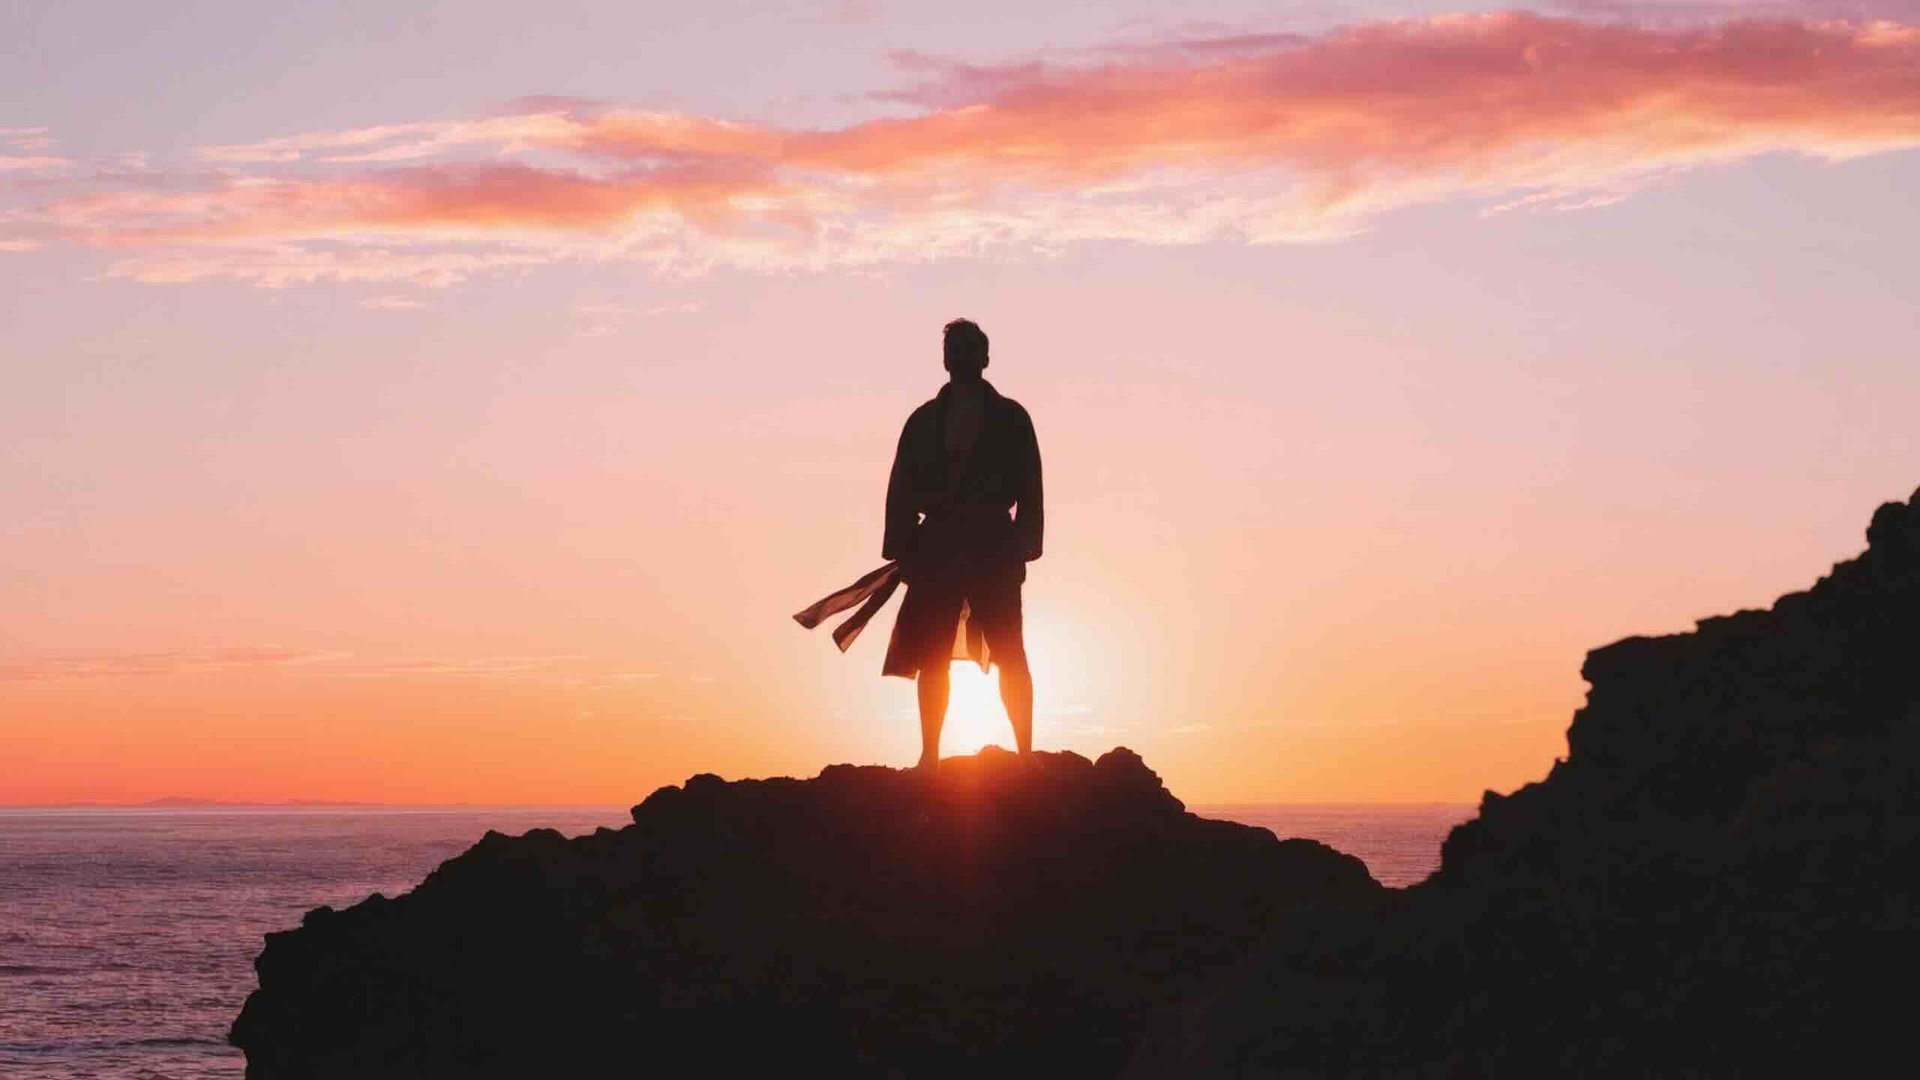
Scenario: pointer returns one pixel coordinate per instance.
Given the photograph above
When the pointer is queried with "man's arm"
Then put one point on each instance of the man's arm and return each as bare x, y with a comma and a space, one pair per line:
1030, 513
903, 511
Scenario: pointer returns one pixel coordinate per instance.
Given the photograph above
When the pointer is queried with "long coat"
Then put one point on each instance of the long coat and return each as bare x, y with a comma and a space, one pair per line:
1001, 472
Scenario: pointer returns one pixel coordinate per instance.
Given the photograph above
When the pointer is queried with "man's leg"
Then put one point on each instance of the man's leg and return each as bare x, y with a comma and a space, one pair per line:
997, 605
1016, 693
933, 681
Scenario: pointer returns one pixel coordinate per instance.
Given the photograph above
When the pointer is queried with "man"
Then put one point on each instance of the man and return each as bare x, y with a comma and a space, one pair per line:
964, 517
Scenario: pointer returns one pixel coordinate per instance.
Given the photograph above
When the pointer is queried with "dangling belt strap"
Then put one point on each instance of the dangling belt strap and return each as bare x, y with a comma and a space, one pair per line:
874, 588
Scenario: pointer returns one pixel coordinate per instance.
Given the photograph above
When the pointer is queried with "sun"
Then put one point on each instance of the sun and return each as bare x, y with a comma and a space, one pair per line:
975, 717
1065, 692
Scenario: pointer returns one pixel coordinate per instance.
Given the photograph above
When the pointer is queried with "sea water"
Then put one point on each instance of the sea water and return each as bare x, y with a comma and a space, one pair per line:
127, 936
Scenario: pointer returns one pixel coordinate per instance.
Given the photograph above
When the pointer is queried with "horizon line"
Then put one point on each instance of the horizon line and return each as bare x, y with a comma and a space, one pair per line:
181, 803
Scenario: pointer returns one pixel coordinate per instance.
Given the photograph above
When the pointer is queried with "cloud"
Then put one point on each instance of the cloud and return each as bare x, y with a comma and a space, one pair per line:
681, 307
461, 666
122, 664
605, 320
281, 264
844, 12
1682, 12
1247, 137
21, 151
568, 668
390, 142
392, 303
42, 163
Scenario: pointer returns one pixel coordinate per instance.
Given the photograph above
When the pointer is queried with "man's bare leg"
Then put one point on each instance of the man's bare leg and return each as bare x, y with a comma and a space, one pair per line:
1016, 693
933, 685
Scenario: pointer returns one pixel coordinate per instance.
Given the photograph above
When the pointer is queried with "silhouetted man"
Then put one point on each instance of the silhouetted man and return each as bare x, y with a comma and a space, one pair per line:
964, 517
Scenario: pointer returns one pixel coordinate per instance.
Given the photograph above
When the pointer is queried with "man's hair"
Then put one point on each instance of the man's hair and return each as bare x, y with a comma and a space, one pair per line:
966, 344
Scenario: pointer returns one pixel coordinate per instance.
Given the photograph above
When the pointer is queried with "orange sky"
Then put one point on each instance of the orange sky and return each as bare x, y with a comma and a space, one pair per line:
473, 441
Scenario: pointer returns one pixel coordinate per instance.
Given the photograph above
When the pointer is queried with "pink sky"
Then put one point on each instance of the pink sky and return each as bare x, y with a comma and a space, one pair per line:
414, 404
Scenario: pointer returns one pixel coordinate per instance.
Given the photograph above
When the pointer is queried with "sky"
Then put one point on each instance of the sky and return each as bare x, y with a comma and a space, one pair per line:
428, 402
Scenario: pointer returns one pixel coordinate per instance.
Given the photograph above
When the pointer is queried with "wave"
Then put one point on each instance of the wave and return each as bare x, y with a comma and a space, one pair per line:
86, 1045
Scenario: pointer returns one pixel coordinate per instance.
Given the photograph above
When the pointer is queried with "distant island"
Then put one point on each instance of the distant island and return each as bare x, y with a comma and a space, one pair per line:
1718, 880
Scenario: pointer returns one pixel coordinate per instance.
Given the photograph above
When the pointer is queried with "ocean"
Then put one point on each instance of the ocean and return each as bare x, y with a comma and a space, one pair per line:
127, 935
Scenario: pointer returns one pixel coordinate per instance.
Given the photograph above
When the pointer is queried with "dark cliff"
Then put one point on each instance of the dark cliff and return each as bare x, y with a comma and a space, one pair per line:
1002, 914
1718, 880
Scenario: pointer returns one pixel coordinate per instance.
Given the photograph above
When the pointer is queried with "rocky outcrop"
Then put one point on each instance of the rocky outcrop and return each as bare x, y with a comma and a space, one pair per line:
1003, 914
1718, 880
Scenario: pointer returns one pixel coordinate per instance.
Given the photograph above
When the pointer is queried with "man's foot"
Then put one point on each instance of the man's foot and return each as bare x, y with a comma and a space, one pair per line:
928, 763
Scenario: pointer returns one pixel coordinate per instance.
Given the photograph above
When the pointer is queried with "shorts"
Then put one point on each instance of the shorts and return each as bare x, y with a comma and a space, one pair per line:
955, 610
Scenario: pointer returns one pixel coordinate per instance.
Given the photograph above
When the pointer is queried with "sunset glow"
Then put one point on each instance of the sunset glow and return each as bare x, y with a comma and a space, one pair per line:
417, 406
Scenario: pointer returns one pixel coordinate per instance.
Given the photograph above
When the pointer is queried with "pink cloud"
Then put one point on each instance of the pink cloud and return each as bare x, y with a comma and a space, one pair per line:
277, 265
22, 151
1681, 12
1492, 98
395, 142
22, 163
1259, 137
440, 197
391, 303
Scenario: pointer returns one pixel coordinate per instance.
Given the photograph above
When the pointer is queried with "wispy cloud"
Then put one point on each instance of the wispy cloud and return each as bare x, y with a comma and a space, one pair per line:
572, 668
281, 264
850, 11
96, 665
680, 307
18, 163
605, 320
23, 153
400, 667
392, 303
1249, 137
396, 142
1682, 12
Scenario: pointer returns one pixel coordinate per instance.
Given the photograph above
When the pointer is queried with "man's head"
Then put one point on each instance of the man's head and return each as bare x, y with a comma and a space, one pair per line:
966, 349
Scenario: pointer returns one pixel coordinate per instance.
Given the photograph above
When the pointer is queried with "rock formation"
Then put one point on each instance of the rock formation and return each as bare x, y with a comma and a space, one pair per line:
1718, 880
867, 922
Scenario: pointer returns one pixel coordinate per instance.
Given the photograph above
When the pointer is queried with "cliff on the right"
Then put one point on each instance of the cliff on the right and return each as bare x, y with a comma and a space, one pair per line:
1718, 880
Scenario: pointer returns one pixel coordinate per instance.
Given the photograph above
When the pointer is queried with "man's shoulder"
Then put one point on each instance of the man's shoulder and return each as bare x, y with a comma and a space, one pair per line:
1013, 409
923, 413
